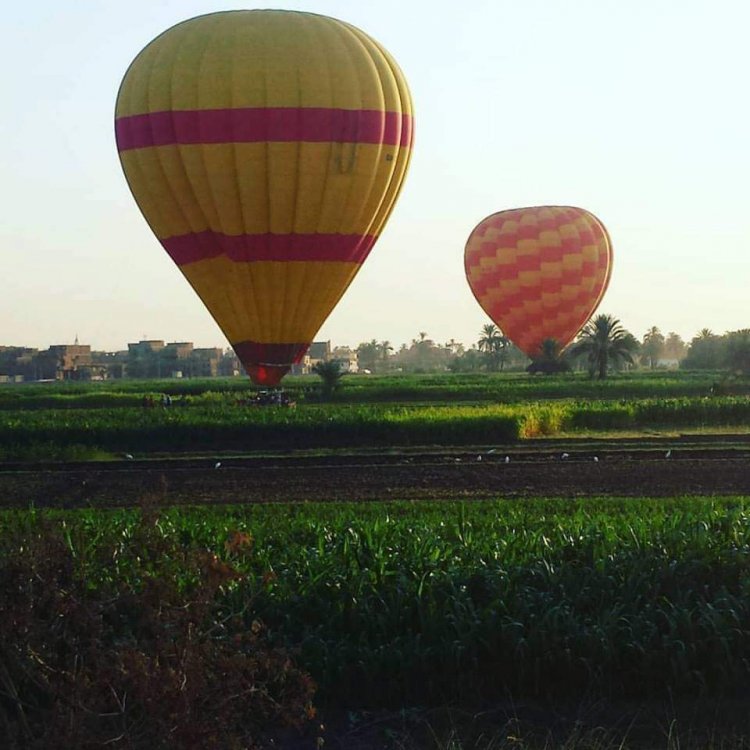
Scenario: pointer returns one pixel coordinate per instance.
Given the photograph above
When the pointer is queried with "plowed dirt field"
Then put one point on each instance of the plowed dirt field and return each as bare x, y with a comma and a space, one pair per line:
615, 471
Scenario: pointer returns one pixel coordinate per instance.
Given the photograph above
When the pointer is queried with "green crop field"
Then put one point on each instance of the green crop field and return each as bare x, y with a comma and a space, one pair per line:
416, 604
433, 388
221, 426
385, 605
71, 421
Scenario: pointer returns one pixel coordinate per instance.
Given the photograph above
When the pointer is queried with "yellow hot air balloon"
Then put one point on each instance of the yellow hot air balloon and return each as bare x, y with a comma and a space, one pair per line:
266, 150
539, 272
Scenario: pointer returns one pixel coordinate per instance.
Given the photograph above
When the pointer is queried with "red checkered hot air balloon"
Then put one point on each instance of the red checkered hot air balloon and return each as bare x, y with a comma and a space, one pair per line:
539, 272
266, 150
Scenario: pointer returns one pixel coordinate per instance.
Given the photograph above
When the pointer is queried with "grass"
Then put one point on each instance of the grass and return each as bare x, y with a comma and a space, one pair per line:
664, 725
394, 388
217, 425
397, 604
441, 605
73, 421
224, 427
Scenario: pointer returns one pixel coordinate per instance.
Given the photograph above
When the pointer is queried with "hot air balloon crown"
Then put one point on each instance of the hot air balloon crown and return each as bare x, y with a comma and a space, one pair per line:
266, 150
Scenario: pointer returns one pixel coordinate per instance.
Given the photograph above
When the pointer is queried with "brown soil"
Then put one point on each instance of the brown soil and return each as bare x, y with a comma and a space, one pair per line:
445, 475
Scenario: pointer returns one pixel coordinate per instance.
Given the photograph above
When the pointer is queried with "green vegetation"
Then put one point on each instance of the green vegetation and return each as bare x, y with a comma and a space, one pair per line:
384, 605
494, 346
449, 387
146, 658
230, 428
709, 351
215, 423
395, 604
549, 359
330, 374
604, 344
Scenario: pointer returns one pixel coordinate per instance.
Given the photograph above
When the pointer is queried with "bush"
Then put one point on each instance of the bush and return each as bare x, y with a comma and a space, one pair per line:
543, 419
149, 659
601, 416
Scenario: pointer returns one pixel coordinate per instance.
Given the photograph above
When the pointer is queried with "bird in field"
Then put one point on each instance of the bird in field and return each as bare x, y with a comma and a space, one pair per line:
507, 459
668, 453
596, 459
128, 456
479, 458
491, 450
564, 456
217, 464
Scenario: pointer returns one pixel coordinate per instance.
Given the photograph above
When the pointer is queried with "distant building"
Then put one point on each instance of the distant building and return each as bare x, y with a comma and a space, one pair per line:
302, 367
156, 359
71, 356
17, 364
146, 346
205, 362
111, 365
177, 359
145, 361
58, 362
68, 362
318, 351
178, 350
147, 358
230, 365
346, 357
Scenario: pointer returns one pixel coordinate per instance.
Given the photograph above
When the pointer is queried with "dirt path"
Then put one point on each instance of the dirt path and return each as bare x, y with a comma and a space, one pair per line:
415, 475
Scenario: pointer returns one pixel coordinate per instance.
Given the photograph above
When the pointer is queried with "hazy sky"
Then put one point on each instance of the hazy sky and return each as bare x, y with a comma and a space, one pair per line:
638, 111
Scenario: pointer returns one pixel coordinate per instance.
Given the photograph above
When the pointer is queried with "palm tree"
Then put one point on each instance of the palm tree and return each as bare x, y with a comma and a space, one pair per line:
705, 351
604, 343
384, 347
653, 346
454, 347
487, 337
496, 345
330, 373
502, 348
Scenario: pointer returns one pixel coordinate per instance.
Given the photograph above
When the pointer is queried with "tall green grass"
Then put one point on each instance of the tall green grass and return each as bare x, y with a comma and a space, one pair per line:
215, 425
247, 428
672, 412
393, 604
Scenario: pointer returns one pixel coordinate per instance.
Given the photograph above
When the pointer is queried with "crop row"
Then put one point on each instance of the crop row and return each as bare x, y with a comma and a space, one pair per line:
444, 387
513, 387
672, 412
403, 604
248, 428
233, 428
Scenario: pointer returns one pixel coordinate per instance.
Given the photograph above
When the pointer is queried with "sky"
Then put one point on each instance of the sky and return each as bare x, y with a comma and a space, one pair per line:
637, 111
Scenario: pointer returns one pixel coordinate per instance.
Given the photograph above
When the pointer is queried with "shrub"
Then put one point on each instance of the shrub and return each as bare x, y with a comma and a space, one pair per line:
539, 419
144, 660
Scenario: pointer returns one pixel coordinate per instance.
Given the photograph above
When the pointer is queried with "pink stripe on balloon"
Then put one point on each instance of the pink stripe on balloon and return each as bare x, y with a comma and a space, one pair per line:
263, 124
245, 248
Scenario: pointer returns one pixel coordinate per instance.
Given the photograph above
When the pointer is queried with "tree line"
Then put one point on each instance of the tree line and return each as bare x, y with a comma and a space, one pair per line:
603, 346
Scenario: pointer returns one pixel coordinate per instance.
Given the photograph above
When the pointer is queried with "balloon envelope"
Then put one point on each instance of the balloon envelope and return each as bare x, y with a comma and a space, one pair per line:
539, 272
266, 150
